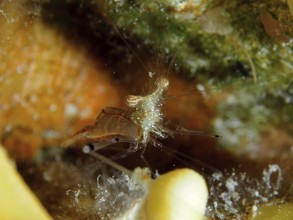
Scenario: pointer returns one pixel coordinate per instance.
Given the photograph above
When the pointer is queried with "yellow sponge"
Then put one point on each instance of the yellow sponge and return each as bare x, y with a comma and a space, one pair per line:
179, 194
16, 199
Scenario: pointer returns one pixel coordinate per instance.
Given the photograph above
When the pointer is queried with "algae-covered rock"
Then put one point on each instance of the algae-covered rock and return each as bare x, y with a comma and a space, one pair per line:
209, 34
50, 86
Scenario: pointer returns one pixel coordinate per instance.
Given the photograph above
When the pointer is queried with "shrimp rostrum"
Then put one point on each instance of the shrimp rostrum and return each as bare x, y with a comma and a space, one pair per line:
140, 124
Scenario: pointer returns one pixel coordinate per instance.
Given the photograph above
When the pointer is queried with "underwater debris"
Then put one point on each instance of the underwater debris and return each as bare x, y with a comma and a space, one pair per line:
92, 189
237, 194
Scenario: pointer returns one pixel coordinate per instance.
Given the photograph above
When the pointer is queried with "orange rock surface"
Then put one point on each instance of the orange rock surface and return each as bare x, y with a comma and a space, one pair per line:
49, 86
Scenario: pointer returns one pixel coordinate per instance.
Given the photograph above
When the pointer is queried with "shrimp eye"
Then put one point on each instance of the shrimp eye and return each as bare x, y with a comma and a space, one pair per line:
133, 100
116, 140
88, 148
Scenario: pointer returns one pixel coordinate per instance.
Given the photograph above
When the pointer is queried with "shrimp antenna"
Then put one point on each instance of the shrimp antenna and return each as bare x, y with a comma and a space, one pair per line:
130, 47
171, 63
87, 150
169, 97
181, 130
181, 157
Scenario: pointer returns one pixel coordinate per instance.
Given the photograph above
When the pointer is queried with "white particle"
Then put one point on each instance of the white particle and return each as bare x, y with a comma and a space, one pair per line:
71, 110
36, 117
53, 107
33, 98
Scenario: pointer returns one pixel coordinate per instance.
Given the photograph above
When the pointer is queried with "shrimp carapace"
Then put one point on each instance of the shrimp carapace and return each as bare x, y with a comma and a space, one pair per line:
111, 126
146, 111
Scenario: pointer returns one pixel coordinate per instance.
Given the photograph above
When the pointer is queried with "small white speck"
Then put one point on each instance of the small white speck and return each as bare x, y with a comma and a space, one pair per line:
20, 69
15, 98
36, 117
53, 108
33, 98
256, 193
47, 177
151, 74
7, 128
231, 99
71, 110
254, 210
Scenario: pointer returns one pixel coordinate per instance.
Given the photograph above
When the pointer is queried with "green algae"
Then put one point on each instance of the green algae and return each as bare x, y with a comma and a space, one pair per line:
179, 31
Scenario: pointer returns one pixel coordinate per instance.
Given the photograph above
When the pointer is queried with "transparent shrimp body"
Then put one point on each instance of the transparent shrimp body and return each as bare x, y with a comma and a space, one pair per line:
146, 112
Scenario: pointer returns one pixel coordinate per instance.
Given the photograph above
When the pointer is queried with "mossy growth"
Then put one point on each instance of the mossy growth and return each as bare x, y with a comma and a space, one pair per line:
181, 29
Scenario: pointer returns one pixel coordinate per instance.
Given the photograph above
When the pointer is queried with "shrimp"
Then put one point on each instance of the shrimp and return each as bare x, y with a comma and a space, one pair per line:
140, 124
